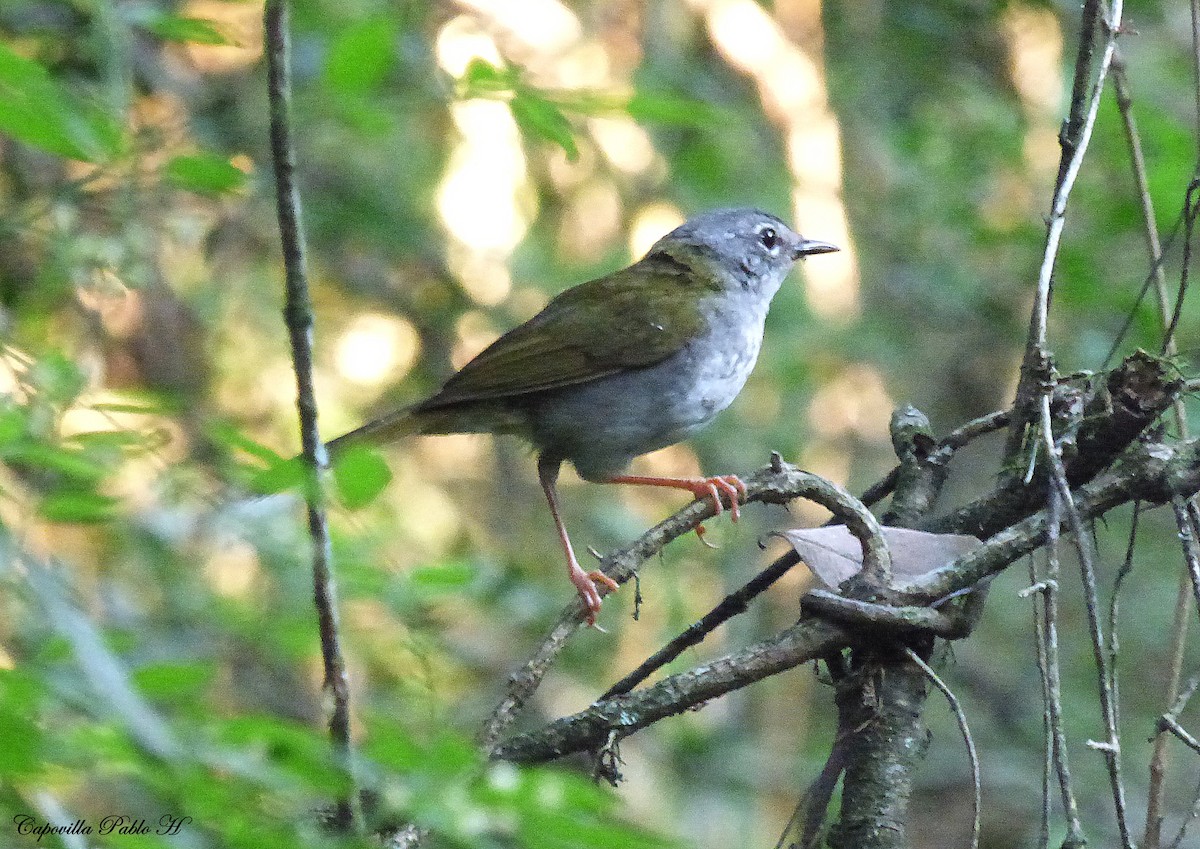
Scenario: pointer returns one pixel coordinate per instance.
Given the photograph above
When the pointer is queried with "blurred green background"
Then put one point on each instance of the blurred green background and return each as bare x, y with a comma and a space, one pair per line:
459, 164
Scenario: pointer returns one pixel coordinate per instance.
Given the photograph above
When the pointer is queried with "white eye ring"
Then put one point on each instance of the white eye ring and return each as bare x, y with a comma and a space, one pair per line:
769, 237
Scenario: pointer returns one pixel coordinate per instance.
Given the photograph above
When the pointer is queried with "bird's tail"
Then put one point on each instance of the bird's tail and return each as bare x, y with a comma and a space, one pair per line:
380, 431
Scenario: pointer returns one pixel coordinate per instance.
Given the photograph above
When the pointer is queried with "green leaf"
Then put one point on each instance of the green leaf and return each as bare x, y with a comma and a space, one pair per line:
666, 109
107, 440
539, 117
52, 458
20, 696
441, 578
57, 378
360, 474
482, 78
194, 30
174, 681
362, 56
280, 476
301, 751
205, 173
231, 437
78, 507
38, 111
12, 425
140, 409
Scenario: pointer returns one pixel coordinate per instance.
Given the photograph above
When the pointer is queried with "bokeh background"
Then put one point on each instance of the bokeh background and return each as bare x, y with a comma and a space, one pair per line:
461, 162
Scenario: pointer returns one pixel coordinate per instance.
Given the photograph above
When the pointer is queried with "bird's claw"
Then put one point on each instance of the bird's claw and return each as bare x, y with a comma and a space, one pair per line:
586, 584
730, 486
700, 532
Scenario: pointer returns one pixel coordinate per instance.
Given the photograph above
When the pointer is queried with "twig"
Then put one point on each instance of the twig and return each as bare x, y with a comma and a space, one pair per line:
814, 804
1185, 696
1191, 208
730, 606
1191, 553
1156, 790
1076, 134
1193, 814
961, 717
1046, 630
1171, 724
627, 714
298, 317
952, 442
777, 483
1083, 547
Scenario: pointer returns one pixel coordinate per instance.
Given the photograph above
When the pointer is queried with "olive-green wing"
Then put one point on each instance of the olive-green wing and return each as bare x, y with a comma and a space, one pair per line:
629, 319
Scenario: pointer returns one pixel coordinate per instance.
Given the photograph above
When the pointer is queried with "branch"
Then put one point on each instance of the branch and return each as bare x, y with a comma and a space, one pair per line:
1153, 472
298, 318
1114, 413
777, 483
1076, 133
589, 729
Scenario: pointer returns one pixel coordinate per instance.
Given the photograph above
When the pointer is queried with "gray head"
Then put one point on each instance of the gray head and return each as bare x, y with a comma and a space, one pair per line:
753, 247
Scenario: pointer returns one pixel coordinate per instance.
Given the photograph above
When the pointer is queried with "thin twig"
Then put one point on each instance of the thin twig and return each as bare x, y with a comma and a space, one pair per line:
814, 804
1043, 664
961, 717
1185, 696
1075, 137
1114, 608
1191, 554
1171, 724
1191, 208
1156, 789
1193, 815
1082, 541
299, 320
952, 442
730, 606
1046, 630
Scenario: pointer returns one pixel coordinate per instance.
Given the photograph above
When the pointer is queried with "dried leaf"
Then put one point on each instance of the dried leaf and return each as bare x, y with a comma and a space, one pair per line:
834, 554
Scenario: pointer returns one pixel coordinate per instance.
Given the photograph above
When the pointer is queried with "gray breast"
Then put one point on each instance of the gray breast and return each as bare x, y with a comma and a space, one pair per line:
601, 425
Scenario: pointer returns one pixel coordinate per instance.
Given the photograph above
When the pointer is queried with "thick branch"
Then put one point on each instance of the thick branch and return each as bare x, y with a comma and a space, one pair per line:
1153, 473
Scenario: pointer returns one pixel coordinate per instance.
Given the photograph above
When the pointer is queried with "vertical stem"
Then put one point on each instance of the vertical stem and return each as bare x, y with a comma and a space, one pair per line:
1156, 791
298, 317
1075, 136
1046, 628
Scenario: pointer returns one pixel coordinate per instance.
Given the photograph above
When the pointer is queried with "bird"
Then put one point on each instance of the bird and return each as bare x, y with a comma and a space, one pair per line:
622, 365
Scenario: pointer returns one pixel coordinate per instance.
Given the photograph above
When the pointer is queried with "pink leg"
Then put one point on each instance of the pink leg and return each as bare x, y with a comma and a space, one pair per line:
586, 583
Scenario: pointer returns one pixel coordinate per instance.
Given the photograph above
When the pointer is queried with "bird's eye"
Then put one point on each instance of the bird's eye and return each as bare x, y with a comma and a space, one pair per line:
769, 238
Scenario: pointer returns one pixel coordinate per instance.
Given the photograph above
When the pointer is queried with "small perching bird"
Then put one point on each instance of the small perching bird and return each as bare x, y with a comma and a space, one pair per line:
623, 365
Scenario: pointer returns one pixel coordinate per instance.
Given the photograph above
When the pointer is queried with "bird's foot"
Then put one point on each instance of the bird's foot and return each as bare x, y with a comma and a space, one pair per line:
587, 585
730, 486
714, 487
